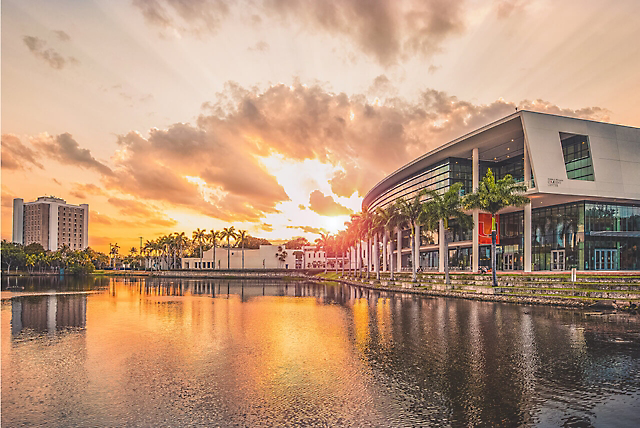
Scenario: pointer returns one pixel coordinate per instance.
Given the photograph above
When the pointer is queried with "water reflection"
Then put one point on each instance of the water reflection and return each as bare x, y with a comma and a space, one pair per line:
48, 313
274, 353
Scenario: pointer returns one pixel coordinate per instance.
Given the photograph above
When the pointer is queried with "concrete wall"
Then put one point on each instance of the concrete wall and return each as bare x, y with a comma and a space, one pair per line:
262, 258
615, 152
18, 220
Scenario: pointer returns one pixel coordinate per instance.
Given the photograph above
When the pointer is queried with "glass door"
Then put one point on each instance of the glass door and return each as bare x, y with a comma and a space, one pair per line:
557, 260
605, 259
507, 261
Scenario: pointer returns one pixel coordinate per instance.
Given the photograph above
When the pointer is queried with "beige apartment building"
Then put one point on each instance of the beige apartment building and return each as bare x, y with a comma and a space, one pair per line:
51, 222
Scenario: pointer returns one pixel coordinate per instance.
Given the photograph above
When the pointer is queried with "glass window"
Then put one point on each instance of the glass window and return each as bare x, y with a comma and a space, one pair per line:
577, 156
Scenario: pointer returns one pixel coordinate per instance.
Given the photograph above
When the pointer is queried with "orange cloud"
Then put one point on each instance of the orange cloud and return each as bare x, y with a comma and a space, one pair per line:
325, 205
16, 155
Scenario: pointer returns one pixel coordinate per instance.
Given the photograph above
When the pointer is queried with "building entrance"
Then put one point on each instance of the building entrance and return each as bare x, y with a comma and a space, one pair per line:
507, 261
557, 259
605, 259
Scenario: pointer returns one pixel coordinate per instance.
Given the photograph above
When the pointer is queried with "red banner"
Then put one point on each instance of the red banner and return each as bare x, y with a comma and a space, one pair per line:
484, 229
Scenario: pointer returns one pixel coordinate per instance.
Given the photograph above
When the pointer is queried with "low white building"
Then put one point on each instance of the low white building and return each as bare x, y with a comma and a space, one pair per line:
266, 257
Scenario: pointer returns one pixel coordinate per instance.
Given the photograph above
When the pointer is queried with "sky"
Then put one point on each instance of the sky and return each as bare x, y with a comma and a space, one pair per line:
278, 116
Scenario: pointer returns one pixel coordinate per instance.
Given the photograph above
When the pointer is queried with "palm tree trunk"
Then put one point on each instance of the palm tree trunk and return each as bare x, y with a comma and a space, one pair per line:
376, 256
368, 257
412, 243
446, 258
228, 254
200, 254
342, 262
391, 269
417, 244
214, 254
243, 255
494, 277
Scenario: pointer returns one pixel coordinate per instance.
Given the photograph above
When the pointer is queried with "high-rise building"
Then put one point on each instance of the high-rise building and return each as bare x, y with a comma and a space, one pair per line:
51, 222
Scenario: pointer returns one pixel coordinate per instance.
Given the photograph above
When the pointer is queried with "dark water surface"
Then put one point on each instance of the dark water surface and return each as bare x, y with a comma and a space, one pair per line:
162, 352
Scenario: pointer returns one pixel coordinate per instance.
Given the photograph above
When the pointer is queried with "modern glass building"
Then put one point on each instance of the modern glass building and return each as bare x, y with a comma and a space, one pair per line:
583, 179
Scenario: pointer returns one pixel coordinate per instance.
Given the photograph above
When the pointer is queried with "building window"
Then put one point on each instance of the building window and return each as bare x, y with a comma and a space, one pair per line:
577, 156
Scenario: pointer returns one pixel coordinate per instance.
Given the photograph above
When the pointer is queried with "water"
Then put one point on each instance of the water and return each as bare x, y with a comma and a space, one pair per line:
162, 352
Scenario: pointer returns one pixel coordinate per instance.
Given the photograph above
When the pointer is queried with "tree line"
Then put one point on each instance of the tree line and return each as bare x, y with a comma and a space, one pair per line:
33, 258
429, 209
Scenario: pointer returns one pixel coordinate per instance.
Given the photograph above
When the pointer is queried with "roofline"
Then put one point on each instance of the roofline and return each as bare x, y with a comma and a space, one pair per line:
440, 148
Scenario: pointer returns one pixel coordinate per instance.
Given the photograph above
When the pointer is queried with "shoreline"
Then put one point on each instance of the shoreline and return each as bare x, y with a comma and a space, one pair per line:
598, 291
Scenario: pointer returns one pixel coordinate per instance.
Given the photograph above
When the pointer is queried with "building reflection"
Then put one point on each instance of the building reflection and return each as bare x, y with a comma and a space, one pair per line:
48, 314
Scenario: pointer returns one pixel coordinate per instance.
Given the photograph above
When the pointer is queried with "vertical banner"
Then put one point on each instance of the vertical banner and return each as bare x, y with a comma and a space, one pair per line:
484, 229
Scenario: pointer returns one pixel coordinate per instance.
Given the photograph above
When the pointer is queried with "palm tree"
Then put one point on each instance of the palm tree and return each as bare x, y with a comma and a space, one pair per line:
241, 236
438, 210
378, 227
213, 238
322, 243
181, 242
228, 233
198, 236
410, 211
391, 219
491, 197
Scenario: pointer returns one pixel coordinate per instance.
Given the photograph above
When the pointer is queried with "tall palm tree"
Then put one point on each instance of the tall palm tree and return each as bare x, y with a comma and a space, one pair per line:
410, 211
198, 236
438, 210
181, 242
241, 236
213, 239
491, 197
378, 228
367, 232
322, 243
391, 219
228, 233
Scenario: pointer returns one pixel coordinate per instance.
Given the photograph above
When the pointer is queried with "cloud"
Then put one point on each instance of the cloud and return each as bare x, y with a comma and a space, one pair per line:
309, 229
67, 151
156, 219
325, 205
204, 168
197, 17
88, 188
62, 36
16, 155
261, 46
265, 227
390, 31
133, 208
302, 207
55, 60
505, 8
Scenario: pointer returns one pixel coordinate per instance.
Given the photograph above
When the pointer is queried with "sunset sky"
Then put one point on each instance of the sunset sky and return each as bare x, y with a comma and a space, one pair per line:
278, 116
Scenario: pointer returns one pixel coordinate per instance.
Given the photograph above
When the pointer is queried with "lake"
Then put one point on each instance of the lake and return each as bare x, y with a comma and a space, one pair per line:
101, 351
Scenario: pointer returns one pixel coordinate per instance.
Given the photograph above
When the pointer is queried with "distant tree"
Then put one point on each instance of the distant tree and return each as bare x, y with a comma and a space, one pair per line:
281, 255
241, 236
12, 254
228, 233
34, 248
253, 243
297, 243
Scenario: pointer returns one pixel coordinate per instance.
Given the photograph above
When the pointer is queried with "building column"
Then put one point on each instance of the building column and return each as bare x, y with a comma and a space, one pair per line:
399, 250
475, 249
441, 246
18, 221
527, 215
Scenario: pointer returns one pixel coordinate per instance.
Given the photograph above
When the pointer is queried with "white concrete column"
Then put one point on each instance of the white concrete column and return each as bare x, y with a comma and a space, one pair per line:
475, 248
441, 246
399, 250
18, 221
85, 225
385, 251
527, 216
416, 241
